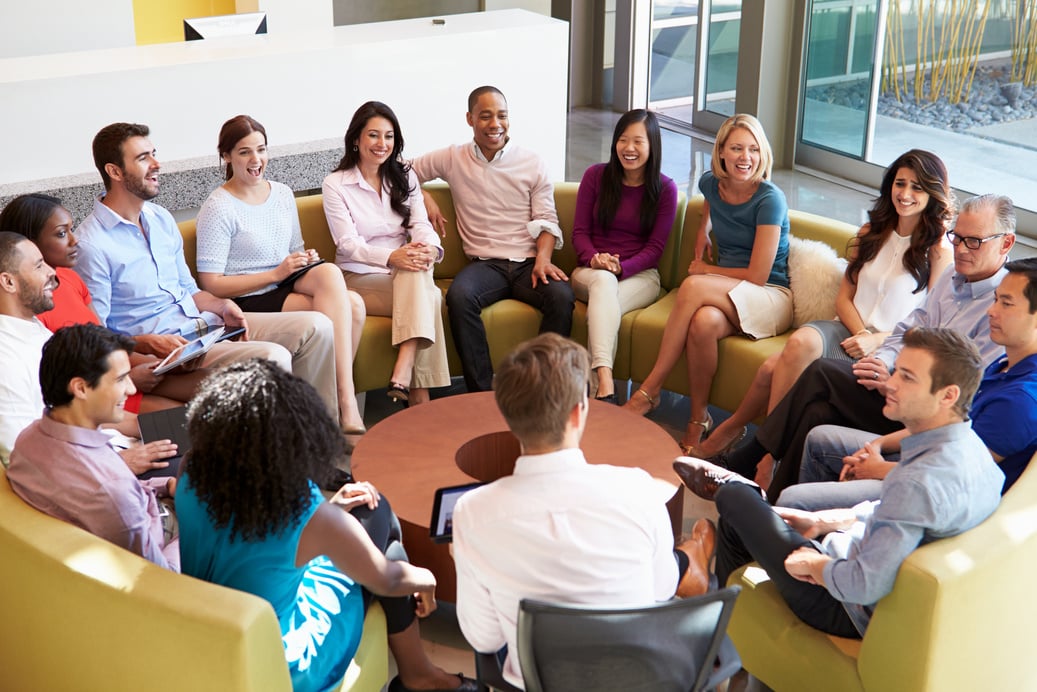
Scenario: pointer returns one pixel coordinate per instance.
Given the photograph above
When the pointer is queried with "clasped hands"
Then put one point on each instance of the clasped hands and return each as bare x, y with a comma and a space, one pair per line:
413, 257
871, 373
603, 260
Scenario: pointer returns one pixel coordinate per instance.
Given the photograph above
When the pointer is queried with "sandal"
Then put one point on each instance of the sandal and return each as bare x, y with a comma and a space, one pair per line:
652, 403
397, 392
698, 452
707, 427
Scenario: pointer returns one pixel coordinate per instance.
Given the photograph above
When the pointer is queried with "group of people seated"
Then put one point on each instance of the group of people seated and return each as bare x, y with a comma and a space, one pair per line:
87, 312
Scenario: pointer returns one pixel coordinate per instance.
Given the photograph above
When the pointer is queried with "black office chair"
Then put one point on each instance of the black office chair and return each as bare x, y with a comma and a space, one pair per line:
673, 645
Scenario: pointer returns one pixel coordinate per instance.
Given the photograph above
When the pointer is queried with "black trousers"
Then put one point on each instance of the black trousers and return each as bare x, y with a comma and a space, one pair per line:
485, 282
748, 531
826, 393
384, 529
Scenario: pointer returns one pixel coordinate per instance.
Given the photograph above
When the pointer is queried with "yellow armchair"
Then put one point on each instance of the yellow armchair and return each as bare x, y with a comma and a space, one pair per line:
957, 618
80, 613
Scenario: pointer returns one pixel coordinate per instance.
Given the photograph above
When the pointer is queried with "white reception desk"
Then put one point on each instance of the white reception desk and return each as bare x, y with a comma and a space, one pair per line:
302, 86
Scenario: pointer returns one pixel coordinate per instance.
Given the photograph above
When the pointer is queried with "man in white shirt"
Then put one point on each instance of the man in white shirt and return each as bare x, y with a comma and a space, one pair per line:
27, 286
560, 529
508, 226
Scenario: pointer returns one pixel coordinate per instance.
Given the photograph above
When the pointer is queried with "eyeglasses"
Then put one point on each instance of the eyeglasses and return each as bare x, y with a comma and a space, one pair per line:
969, 241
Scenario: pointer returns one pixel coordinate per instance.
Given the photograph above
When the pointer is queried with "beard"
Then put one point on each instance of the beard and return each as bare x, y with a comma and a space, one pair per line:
137, 186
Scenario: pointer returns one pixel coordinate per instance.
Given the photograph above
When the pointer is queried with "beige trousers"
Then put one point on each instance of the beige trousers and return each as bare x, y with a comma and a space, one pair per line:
414, 303
302, 343
607, 299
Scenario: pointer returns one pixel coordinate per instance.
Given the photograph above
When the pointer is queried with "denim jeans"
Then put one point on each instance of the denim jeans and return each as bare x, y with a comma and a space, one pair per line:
485, 282
819, 486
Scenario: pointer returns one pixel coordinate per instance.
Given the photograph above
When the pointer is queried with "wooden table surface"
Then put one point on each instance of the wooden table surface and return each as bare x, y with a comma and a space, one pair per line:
461, 439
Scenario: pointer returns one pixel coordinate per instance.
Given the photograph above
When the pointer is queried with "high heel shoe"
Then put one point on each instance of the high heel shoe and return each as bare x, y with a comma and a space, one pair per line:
707, 427
696, 451
652, 403
398, 392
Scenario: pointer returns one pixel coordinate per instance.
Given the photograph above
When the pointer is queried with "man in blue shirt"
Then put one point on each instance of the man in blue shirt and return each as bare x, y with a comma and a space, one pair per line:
832, 391
945, 484
132, 260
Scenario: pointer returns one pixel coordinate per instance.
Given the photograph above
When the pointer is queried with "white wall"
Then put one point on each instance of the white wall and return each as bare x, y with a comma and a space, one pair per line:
38, 27
539, 6
297, 15
302, 87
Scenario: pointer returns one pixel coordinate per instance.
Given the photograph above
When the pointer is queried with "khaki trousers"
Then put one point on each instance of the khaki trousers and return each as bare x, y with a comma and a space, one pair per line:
607, 300
414, 303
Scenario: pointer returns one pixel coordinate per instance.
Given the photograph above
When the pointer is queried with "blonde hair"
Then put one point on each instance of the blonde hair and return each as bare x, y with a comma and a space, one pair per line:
753, 126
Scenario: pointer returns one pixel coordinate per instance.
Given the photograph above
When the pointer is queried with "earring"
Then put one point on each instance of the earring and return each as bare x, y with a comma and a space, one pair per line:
354, 147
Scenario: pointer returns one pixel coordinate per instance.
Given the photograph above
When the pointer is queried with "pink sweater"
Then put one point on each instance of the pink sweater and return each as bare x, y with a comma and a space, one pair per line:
502, 205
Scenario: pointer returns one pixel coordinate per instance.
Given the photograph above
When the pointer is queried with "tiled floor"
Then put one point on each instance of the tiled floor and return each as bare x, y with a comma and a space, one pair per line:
684, 160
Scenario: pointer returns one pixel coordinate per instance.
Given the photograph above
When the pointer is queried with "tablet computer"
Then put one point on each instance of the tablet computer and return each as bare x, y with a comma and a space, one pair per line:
298, 272
189, 351
165, 424
441, 527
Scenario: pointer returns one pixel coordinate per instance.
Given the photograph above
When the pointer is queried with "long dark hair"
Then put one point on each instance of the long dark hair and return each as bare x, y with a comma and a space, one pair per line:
932, 176
612, 177
27, 214
393, 170
233, 131
259, 435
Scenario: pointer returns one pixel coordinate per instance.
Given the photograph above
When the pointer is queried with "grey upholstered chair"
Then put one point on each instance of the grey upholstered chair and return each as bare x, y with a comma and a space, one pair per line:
676, 645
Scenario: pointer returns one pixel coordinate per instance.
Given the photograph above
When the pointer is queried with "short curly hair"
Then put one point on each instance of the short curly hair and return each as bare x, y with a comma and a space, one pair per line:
259, 435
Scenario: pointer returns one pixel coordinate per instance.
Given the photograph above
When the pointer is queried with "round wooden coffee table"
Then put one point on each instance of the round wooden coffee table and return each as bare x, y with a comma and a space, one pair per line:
462, 439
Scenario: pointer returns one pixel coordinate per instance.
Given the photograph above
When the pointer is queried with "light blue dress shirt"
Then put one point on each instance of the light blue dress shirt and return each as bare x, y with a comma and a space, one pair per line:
953, 303
139, 282
945, 484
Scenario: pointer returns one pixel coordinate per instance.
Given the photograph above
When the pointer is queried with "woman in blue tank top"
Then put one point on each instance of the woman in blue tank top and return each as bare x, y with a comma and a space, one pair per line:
252, 518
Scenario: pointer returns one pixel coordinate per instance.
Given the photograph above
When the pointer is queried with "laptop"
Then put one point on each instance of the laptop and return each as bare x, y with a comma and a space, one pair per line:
167, 424
441, 527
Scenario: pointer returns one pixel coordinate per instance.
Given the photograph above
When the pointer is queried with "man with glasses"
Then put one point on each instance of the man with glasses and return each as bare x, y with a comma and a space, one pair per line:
837, 392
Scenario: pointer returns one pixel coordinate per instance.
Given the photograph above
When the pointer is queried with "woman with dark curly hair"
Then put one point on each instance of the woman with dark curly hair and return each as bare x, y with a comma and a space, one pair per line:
253, 518
386, 247
894, 260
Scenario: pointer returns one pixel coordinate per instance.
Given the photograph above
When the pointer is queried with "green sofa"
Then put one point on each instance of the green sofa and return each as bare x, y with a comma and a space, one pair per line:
510, 322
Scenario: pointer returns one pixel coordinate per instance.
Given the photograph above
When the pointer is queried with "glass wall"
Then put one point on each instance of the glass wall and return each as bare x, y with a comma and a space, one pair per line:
675, 57
880, 78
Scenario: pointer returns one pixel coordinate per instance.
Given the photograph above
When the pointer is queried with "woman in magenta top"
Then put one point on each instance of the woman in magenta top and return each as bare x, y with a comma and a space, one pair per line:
624, 213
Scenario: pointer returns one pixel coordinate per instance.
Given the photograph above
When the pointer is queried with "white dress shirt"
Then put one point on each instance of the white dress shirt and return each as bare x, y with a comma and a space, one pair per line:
559, 529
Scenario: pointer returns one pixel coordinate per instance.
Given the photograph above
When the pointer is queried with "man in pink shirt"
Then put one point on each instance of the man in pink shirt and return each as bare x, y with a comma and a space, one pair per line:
62, 464
508, 226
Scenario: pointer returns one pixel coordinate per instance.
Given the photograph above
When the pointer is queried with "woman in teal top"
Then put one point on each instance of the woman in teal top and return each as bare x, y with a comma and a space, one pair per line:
253, 518
747, 290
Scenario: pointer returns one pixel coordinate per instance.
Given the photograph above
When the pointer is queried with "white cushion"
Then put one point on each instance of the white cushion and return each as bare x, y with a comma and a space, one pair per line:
815, 272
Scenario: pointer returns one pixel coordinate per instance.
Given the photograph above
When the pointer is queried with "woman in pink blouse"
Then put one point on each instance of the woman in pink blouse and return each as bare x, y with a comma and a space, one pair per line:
386, 247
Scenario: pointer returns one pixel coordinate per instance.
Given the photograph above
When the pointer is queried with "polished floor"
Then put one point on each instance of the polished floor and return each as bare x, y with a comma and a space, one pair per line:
684, 160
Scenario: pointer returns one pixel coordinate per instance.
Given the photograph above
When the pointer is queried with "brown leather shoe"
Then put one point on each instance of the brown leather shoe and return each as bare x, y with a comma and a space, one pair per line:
699, 549
702, 477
